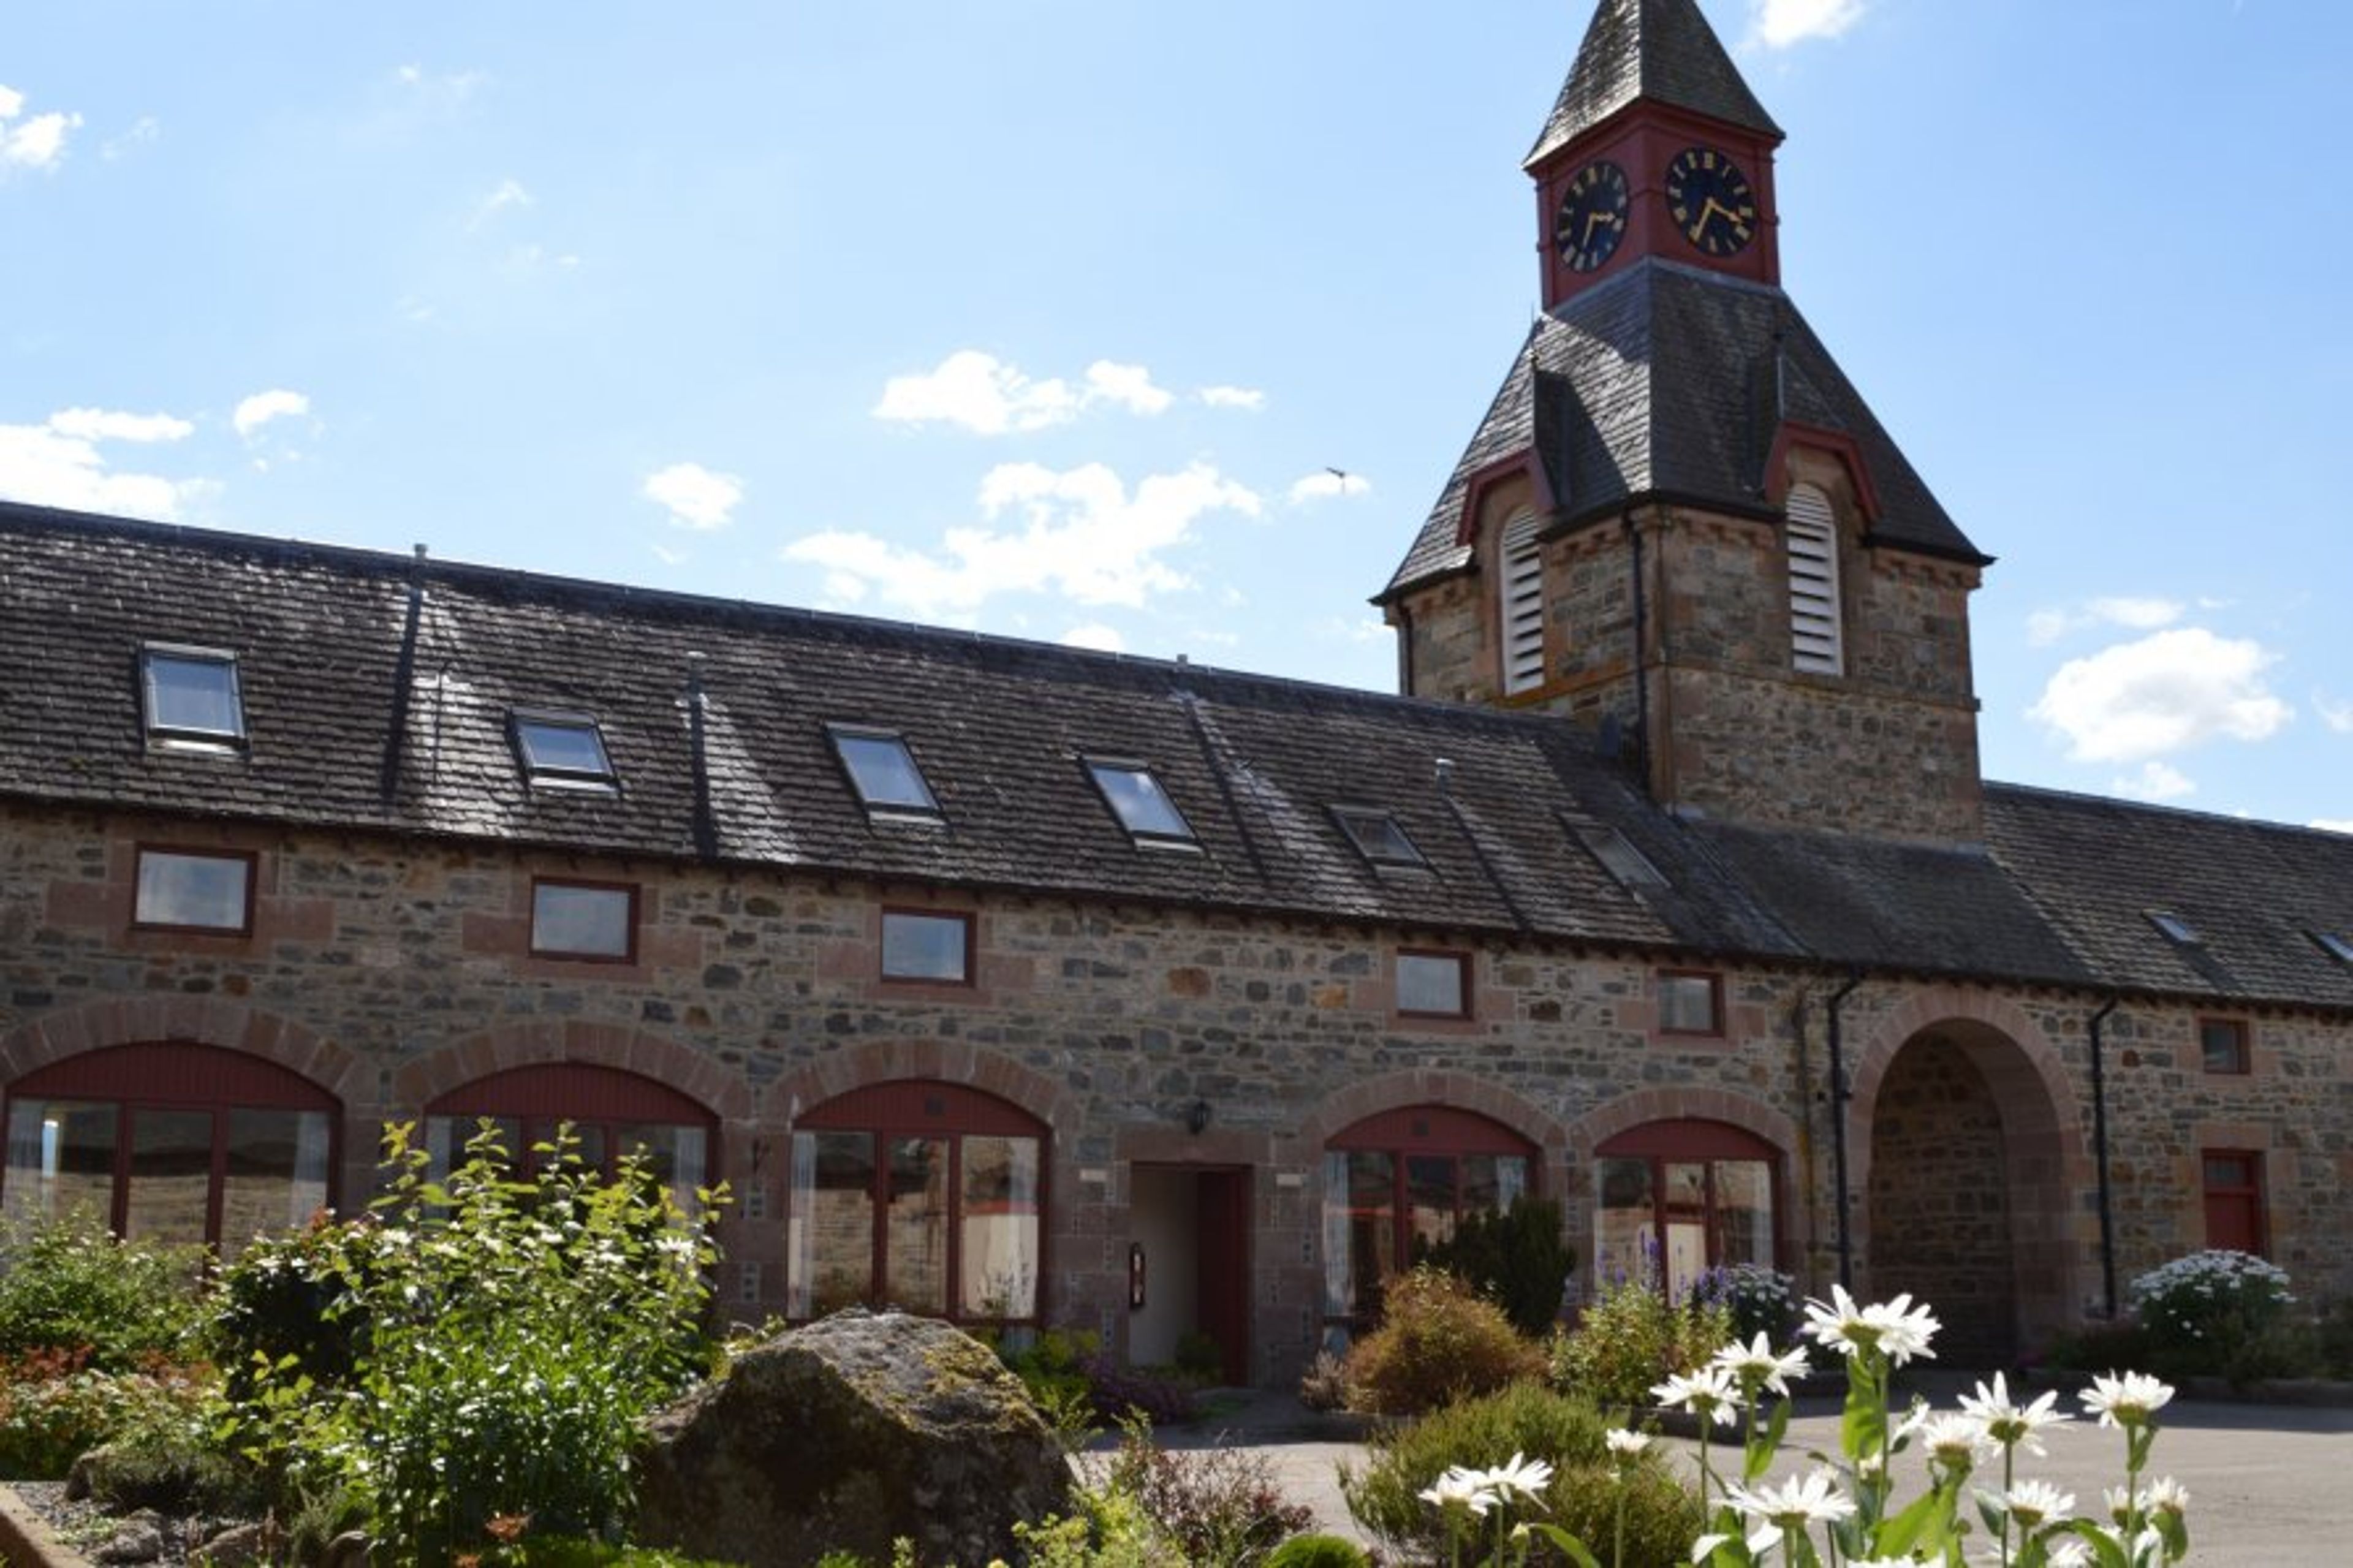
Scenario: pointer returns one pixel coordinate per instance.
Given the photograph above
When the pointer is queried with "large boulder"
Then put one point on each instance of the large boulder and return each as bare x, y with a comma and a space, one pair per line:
846, 1434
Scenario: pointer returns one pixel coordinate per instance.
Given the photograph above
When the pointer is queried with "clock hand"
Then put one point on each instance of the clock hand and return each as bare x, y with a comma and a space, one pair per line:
1596, 220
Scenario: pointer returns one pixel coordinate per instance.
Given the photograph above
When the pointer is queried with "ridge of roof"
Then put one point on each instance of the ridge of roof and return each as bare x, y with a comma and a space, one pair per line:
2118, 806
1663, 50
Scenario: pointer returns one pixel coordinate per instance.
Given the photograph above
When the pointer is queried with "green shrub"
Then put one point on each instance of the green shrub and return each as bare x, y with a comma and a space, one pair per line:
1439, 1341
1567, 1432
302, 1296
2216, 1313
1516, 1258
70, 1284
1220, 1507
172, 1470
1318, 1551
1630, 1341
2119, 1346
1759, 1300
53, 1409
516, 1331
2332, 1336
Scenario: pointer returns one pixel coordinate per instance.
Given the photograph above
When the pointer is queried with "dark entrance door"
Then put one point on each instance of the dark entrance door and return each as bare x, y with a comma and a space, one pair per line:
1222, 1246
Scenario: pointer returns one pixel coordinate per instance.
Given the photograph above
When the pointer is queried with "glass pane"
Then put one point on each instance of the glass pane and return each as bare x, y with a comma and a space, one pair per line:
61, 1160
559, 747
884, 772
277, 1175
1684, 1209
674, 1155
1687, 1003
1429, 1199
1625, 1244
1000, 1227
1142, 805
2224, 1041
592, 922
1481, 1187
1430, 983
203, 890
1743, 1200
1372, 1226
196, 695
832, 1248
924, 947
1339, 1283
915, 1257
171, 1175
1378, 838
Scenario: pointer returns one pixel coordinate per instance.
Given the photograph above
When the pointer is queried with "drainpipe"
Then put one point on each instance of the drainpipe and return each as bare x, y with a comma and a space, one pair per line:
1839, 1094
2100, 1157
1642, 661
1405, 650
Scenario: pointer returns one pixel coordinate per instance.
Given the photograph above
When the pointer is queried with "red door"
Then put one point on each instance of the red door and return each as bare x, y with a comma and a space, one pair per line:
1222, 1252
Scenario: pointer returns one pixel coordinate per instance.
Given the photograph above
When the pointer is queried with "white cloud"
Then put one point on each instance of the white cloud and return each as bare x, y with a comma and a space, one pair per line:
510, 194
2047, 627
2156, 781
57, 463
35, 143
12, 103
2164, 693
1778, 24
106, 425
1078, 532
989, 397
144, 131
1329, 483
1096, 636
2337, 716
264, 407
695, 497
2332, 824
1244, 397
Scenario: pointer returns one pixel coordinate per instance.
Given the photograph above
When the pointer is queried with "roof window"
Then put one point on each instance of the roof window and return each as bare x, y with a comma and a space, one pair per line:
883, 772
1616, 852
190, 696
1142, 806
2174, 928
1377, 838
2334, 945
562, 750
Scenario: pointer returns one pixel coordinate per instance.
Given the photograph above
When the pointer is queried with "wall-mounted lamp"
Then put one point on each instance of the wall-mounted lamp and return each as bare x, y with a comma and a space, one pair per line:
1197, 1116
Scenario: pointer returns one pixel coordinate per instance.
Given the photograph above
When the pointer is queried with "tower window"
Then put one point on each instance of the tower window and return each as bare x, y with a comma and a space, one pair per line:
1816, 641
1522, 608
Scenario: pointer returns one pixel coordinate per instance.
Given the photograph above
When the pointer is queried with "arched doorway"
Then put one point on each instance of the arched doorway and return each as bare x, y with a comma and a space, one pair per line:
1674, 1199
1965, 1196
610, 1113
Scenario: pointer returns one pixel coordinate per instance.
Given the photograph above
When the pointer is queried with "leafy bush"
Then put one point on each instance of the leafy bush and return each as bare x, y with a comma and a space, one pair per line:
2215, 1312
1630, 1340
1516, 1258
1317, 1552
1439, 1341
302, 1296
1760, 1300
515, 1332
54, 1408
1567, 1431
1109, 1530
1324, 1386
1220, 1507
71, 1285
2332, 1336
1079, 1390
2119, 1346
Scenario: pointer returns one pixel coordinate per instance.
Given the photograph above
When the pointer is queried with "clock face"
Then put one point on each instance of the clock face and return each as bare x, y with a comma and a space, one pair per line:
1711, 201
1592, 217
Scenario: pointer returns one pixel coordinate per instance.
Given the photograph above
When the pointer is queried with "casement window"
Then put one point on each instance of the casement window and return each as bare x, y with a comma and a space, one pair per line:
170, 1142
1673, 1199
2173, 928
190, 696
883, 772
926, 944
562, 750
594, 921
2223, 1044
1142, 805
1616, 852
1520, 606
924, 1196
2233, 1183
193, 890
1379, 838
609, 1112
1817, 640
1690, 1003
1394, 1185
1433, 985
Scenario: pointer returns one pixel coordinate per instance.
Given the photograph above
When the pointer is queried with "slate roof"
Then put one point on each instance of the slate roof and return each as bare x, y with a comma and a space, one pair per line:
1662, 50
1669, 381
377, 691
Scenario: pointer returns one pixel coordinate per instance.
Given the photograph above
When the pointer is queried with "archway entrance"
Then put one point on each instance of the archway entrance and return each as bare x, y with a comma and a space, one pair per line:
1188, 1265
1967, 1207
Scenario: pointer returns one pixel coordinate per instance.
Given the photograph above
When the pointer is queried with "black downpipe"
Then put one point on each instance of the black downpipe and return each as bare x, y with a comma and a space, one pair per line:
1641, 664
1405, 650
706, 820
1838, 1095
2100, 1157
404, 677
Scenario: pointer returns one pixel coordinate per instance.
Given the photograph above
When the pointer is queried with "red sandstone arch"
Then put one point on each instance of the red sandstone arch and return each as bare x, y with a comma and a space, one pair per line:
694, 1073
1645, 1106
1345, 1107
222, 1023
944, 1061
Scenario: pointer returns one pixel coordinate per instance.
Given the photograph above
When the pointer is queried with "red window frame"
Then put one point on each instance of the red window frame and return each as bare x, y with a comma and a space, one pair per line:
545, 1095
1696, 1143
2235, 1210
1426, 1132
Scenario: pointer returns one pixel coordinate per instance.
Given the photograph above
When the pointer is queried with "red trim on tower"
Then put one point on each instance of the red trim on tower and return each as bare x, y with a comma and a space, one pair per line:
1521, 464
1836, 445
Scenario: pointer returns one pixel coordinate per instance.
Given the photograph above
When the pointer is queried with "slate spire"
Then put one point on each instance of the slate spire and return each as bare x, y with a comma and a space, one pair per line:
1663, 50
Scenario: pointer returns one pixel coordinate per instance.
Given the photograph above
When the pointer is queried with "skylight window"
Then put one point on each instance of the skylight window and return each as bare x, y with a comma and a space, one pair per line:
1377, 838
2336, 946
563, 751
883, 772
1616, 852
2174, 928
1142, 806
191, 695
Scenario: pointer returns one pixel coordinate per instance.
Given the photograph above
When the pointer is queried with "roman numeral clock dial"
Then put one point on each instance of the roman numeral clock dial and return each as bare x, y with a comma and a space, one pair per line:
1711, 201
1592, 218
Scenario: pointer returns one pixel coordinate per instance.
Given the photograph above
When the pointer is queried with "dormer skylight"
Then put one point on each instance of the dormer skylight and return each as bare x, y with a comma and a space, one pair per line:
2173, 928
883, 772
189, 696
1142, 806
2335, 945
1616, 852
1377, 838
562, 750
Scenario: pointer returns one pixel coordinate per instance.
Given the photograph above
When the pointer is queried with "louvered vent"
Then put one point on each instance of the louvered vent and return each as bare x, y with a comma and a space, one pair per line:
1814, 638
1522, 607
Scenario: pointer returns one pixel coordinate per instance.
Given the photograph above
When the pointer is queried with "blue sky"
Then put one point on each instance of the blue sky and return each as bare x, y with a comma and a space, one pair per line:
1050, 317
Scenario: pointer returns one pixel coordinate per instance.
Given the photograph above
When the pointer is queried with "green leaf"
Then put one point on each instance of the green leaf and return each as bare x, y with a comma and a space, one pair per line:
2105, 1551
1567, 1544
1926, 1520
1864, 1431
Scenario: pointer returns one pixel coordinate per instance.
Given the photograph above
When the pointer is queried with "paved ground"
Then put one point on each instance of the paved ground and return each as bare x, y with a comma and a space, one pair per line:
2263, 1480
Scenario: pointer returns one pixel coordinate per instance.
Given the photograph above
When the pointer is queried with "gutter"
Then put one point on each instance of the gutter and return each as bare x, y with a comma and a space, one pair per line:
1839, 1096
2100, 1156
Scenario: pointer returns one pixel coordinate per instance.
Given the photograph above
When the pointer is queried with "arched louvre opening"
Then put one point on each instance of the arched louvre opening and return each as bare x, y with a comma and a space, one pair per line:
1521, 606
1817, 638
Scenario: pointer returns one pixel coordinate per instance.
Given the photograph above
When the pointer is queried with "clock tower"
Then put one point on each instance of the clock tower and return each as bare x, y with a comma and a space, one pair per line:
1679, 524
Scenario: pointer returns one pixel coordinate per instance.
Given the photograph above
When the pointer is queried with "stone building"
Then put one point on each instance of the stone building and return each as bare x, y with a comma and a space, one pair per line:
1029, 986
